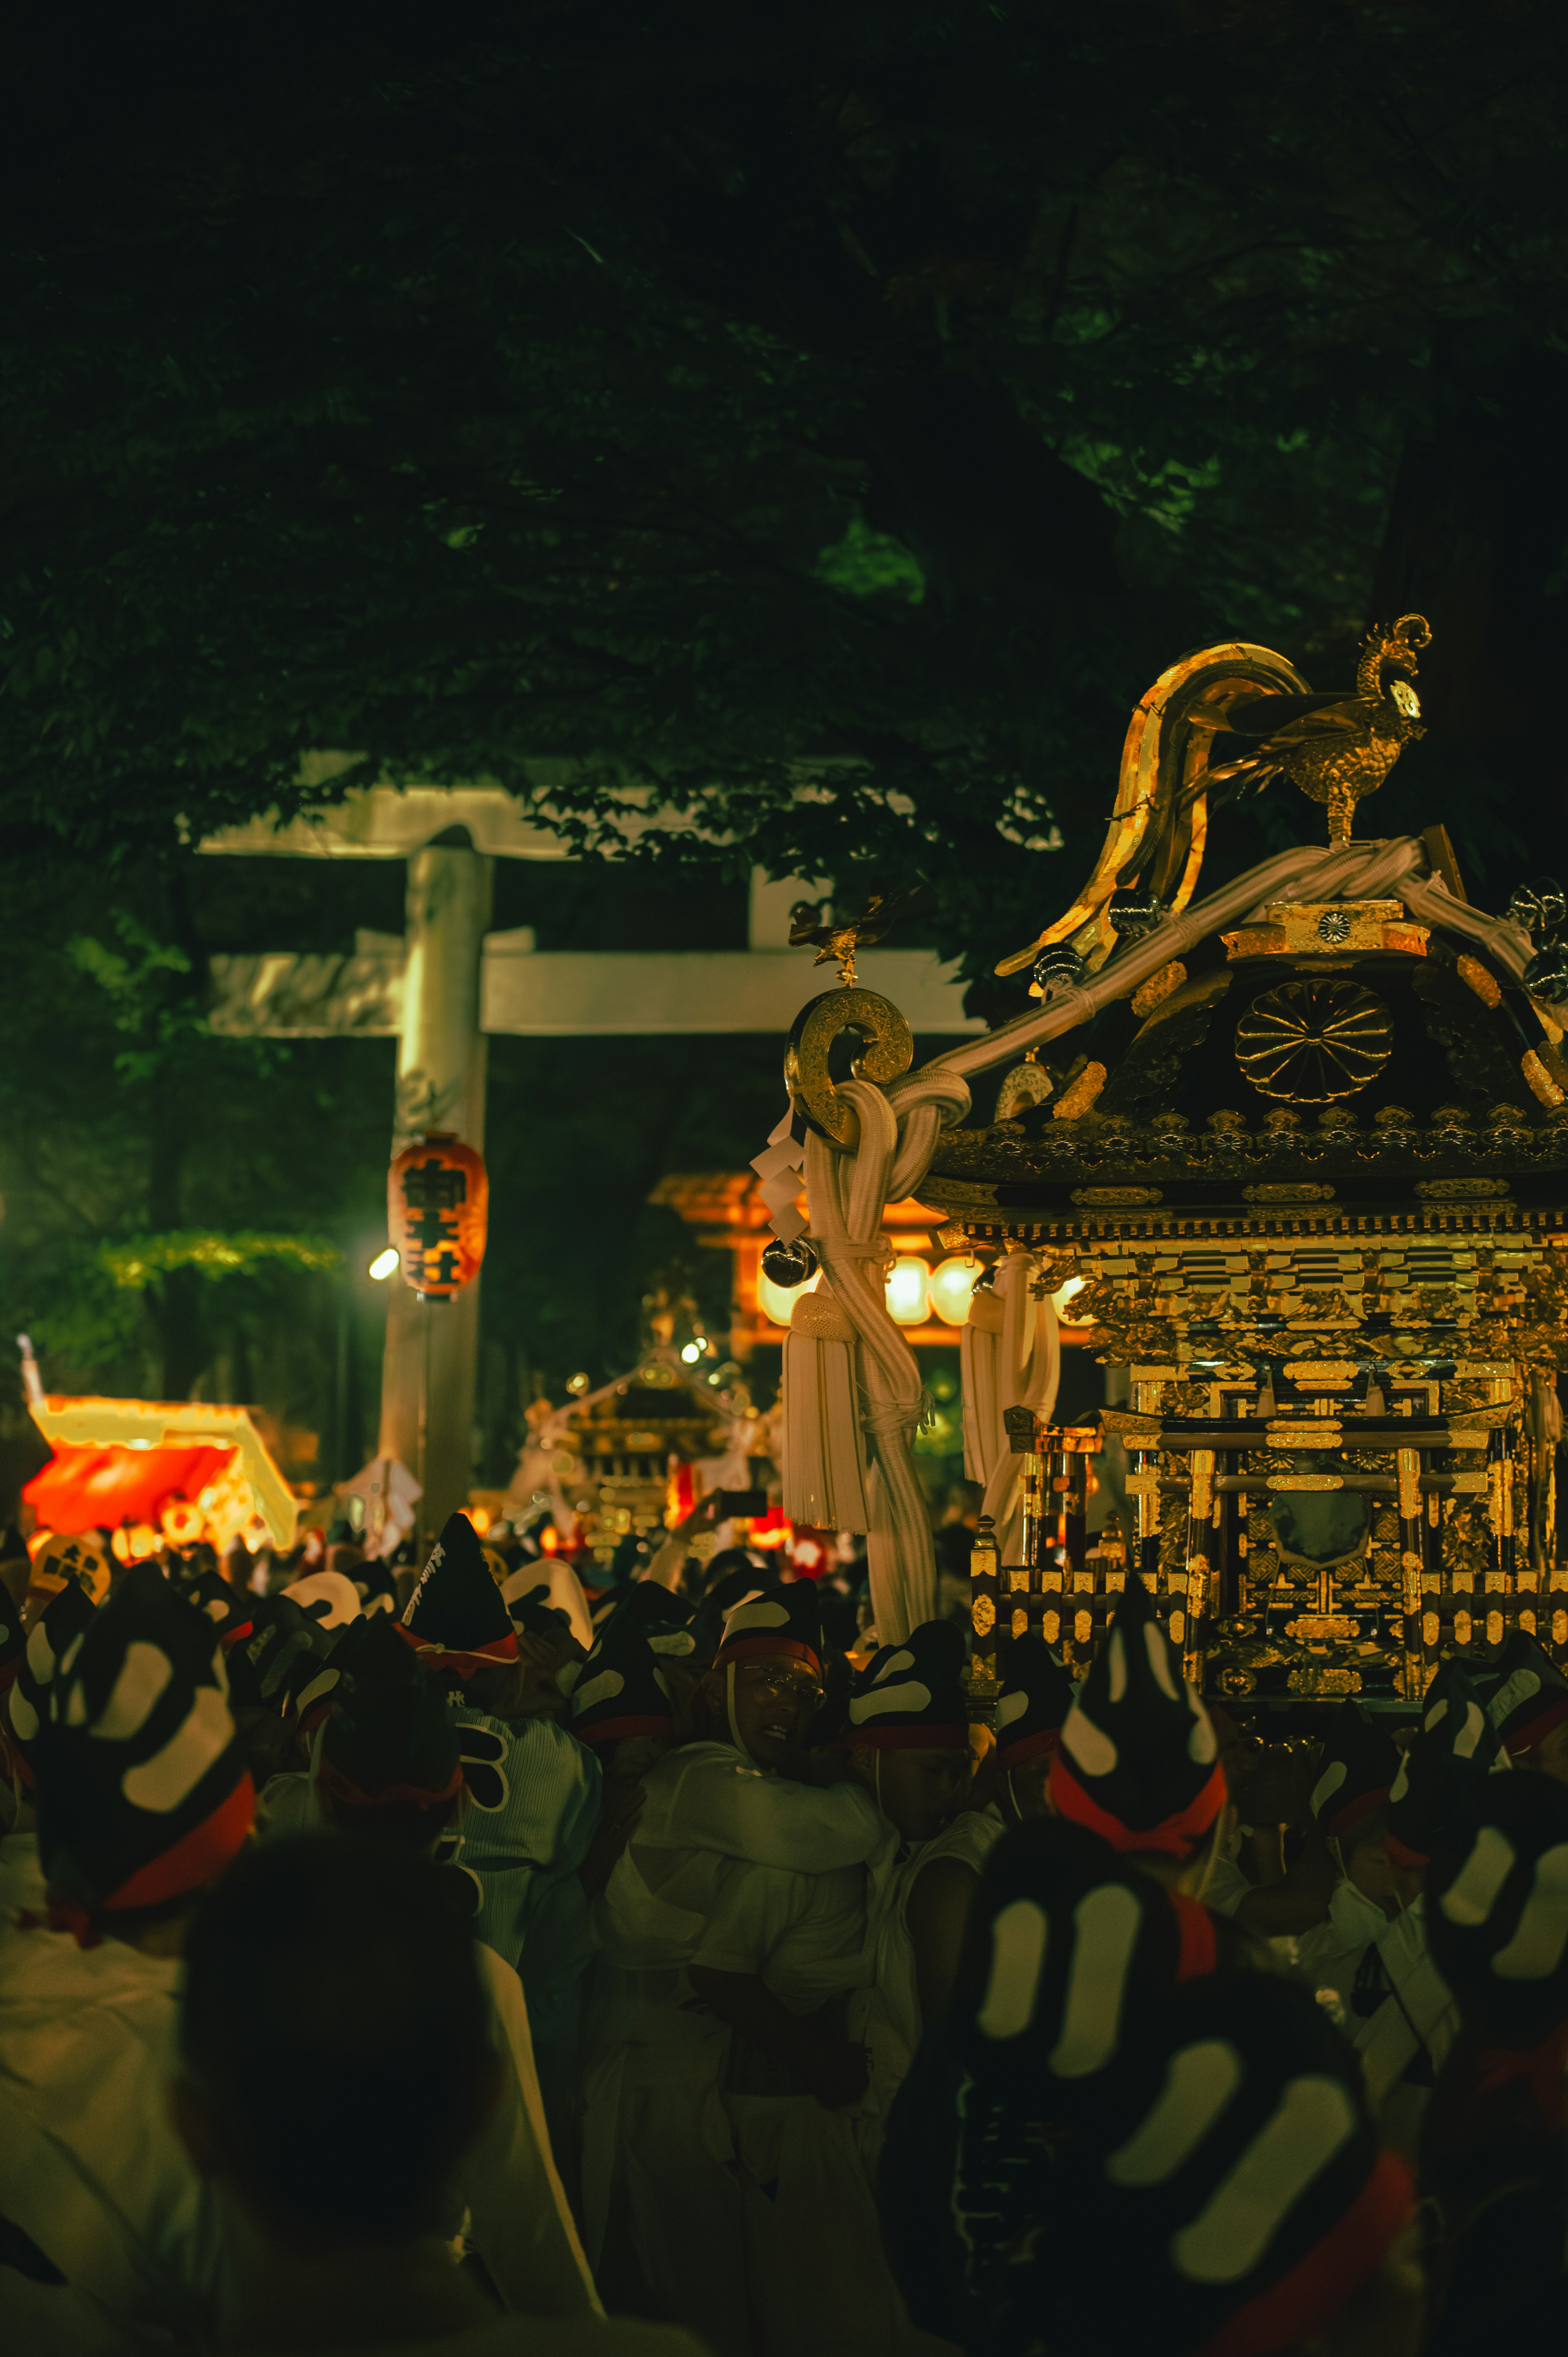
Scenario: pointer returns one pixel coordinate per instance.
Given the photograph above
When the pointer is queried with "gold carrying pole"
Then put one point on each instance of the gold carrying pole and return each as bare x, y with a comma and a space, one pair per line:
1413, 1562
1199, 1573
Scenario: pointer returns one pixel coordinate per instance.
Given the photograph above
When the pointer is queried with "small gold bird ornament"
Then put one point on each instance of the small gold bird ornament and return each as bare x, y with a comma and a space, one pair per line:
810, 921
1337, 749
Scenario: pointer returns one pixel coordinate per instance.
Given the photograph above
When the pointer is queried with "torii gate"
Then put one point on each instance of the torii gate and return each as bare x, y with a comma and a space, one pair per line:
448, 981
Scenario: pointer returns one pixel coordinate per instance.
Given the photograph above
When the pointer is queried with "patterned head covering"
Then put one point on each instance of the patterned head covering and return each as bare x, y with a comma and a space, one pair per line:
910, 1697
1067, 1948
374, 1586
1356, 1770
651, 1607
143, 1789
1231, 2196
1067, 1957
80, 1559
721, 1598
1035, 1698
1527, 1697
533, 1615
455, 1618
1435, 1797
1497, 1913
775, 1624
230, 1609
389, 1735
283, 1636
52, 1639
1139, 1759
621, 1689
329, 1597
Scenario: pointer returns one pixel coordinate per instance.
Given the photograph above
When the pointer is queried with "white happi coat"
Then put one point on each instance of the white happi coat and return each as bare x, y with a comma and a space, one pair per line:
884, 2014
744, 2200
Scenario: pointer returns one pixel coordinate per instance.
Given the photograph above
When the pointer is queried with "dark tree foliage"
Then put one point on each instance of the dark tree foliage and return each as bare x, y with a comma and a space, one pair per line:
816, 425
791, 434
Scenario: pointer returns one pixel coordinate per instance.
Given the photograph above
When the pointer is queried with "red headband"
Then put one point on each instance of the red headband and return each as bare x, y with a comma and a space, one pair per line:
1178, 1834
343, 1788
1411, 1860
1027, 1748
763, 1646
478, 1657
1197, 1945
1356, 1812
195, 1858
1536, 1730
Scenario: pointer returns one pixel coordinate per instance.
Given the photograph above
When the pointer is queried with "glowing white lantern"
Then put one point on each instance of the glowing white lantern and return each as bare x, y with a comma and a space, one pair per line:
1062, 1302
776, 1301
908, 1290
951, 1288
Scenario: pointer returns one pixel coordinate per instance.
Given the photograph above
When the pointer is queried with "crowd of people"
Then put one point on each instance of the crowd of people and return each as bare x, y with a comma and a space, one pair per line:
497, 1964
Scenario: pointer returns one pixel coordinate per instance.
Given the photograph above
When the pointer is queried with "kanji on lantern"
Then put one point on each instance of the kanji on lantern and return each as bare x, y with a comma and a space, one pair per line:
438, 1213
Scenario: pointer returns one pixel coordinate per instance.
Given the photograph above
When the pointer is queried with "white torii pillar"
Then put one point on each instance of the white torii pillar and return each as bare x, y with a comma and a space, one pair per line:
432, 1347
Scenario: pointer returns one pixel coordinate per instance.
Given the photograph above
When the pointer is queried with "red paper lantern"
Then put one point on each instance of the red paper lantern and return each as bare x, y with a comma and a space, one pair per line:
438, 1213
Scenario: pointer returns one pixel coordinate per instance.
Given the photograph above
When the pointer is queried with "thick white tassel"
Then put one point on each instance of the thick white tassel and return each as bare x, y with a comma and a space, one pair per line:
824, 1458
980, 1367
1028, 1369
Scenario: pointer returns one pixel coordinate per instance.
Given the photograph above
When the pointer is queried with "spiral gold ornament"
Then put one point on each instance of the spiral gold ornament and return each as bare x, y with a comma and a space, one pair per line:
1309, 1042
889, 1050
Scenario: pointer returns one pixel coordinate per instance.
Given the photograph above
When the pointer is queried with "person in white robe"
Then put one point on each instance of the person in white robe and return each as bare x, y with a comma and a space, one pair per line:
719, 2152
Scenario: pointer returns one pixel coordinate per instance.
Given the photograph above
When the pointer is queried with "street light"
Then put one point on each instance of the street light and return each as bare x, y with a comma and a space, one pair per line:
386, 1263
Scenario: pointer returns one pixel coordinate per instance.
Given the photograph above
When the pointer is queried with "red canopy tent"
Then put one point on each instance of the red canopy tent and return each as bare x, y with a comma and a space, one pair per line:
99, 1489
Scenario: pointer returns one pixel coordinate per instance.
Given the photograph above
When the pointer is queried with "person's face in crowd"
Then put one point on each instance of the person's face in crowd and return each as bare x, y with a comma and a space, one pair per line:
1364, 1854
918, 1790
1026, 1787
775, 1702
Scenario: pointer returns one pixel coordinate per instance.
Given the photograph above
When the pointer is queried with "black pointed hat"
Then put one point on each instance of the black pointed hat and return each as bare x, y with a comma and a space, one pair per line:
1497, 1914
1436, 1794
651, 1606
535, 1616
282, 1637
720, 1600
314, 1677
455, 1618
1230, 2195
774, 1623
142, 1789
1356, 1770
389, 1736
622, 1689
1035, 1698
1139, 1757
51, 1643
1528, 1696
911, 1696
1066, 1950
230, 1609
330, 1598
